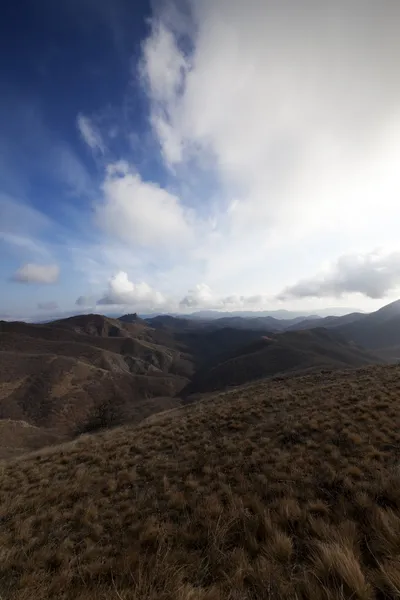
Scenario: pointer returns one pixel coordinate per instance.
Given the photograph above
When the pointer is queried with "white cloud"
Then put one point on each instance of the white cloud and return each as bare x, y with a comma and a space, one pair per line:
301, 135
374, 275
301, 143
142, 213
33, 273
202, 296
90, 134
122, 291
278, 125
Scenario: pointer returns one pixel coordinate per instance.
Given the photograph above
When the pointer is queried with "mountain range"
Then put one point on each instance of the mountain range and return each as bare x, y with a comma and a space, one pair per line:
193, 458
89, 372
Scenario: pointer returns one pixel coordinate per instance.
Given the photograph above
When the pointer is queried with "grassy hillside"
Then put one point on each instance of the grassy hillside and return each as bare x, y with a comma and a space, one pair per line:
78, 375
63, 393
90, 372
282, 489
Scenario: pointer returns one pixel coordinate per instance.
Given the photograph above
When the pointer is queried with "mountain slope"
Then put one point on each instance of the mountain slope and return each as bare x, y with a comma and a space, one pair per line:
74, 375
378, 331
91, 371
284, 489
278, 354
327, 322
64, 394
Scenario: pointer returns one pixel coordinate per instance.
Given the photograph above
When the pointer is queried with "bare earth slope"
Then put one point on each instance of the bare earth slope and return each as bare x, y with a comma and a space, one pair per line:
75, 375
284, 489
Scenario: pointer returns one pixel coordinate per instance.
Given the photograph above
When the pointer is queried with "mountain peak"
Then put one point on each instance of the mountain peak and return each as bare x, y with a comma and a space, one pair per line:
130, 318
390, 310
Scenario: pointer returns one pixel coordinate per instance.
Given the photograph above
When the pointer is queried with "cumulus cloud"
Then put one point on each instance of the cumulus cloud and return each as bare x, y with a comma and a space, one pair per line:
48, 305
297, 133
202, 296
34, 273
299, 145
374, 275
90, 134
85, 301
122, 291
141, 213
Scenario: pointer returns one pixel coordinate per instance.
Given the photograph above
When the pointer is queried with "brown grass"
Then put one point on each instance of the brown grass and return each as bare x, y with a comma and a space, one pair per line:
287, 489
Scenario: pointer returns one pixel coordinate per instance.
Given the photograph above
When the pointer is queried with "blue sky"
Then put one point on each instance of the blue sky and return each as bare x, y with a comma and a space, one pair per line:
174, 156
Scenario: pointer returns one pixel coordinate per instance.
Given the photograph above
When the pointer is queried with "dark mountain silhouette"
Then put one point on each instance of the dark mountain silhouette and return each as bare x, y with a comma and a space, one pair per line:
277, 314
280, 354
172, 323
131, 318
207, 344
378, 331
327, 322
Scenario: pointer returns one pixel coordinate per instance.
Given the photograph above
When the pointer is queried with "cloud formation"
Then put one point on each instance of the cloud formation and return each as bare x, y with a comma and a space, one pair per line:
374, 275
300, 145
291, 129
90, 134
122, 291
141, 213
260, 156
34, 273
201, 296
85, 301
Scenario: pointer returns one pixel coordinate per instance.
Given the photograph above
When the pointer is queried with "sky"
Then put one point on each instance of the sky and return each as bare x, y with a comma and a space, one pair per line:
174, 156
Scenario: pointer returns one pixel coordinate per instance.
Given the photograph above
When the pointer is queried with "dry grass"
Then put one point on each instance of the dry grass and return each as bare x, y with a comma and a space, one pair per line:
63, 395
284, 490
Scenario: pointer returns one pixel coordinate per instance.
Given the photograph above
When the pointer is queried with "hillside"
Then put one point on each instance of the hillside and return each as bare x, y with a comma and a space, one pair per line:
131, 318
75, 375
379, 331
327, 322
283, 489
279, 354
88, 372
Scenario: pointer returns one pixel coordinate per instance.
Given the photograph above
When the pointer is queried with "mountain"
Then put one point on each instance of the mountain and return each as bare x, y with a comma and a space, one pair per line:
80, 374
279, 489
281, 314
378, 331
86, 372
208, 343
254, 323
327, 322
279, 354
131, 318
99, 325
173, 323
276, 314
